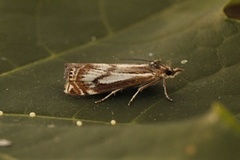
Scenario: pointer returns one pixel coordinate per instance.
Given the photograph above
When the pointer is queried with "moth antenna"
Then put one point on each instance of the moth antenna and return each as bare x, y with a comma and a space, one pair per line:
136, 59
168, 65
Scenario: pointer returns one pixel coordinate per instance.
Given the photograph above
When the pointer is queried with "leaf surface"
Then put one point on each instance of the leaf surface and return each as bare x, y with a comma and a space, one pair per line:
38, 37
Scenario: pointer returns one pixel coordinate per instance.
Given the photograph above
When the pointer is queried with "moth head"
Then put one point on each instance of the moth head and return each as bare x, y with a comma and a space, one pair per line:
167, 70
171, 73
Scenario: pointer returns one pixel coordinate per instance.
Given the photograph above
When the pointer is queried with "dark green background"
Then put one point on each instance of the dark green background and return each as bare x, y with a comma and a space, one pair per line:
38, 37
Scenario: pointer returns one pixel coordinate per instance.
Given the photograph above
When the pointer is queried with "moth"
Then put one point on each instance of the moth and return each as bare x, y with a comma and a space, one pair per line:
96, 78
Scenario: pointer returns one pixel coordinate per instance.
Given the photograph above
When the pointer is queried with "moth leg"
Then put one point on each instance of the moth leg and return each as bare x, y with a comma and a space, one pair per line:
113, 92
165, 90
140, 89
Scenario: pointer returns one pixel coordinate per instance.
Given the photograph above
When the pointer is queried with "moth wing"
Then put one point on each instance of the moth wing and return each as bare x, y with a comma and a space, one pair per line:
89, 79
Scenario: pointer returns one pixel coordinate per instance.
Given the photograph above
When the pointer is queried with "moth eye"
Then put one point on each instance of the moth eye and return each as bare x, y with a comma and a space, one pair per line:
168, 72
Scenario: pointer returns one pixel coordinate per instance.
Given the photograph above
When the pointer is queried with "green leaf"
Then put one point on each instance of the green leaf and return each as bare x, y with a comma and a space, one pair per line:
215, 135
39, 37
